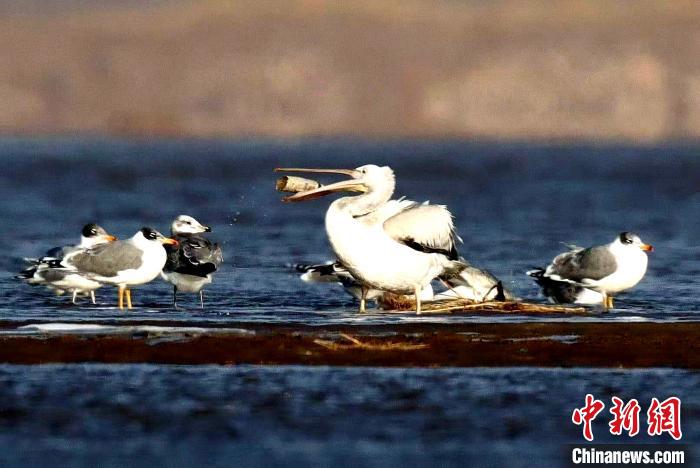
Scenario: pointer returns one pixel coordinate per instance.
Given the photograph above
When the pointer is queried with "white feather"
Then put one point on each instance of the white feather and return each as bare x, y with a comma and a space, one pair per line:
429, 225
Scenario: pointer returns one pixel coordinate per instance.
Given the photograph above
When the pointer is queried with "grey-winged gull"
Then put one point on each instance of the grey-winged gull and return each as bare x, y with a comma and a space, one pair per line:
47, 271
605, 269
127, 263
190, 264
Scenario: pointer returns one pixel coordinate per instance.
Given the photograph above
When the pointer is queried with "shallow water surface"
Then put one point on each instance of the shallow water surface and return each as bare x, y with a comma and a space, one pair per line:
514, 206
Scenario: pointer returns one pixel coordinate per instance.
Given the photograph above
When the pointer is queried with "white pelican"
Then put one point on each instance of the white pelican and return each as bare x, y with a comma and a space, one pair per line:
398, 246
126, 263
605, 269
48, 272
190, 264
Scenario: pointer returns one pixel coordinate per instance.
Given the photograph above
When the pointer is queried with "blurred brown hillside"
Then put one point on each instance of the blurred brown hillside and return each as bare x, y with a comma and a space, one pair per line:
499, 69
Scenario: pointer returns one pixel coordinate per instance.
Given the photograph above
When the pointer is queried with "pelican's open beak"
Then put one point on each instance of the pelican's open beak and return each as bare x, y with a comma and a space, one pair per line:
353, 185
348, 172
647, 247
168, 240
109, 238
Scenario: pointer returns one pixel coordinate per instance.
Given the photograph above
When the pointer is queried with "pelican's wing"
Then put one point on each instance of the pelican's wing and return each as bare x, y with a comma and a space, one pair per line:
386, 211
424, 227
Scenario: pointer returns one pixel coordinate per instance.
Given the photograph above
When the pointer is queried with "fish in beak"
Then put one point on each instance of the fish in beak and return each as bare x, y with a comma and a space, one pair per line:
354, 184
647, 247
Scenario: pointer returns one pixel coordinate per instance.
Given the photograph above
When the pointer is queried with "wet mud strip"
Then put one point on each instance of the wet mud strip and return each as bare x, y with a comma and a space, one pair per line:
523, 344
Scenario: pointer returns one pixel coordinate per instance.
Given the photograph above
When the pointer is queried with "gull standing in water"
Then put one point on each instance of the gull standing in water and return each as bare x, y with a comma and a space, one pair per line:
605, 269
191, 264
337, 273
397, 246
127, 263
47, 270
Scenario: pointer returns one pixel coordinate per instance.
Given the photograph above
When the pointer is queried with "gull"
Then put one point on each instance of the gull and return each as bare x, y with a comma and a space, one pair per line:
336, 273
47, 270
473, 283
127, 263
604, 269
397, 246
563, 292
190, 264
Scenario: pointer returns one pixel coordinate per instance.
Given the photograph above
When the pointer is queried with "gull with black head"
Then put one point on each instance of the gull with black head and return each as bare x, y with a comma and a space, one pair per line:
126, 263
605, 269
47, 270
193, 260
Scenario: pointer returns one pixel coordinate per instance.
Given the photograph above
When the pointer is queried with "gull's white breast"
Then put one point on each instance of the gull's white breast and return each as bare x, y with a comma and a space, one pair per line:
631, 268
186, 283
152, 261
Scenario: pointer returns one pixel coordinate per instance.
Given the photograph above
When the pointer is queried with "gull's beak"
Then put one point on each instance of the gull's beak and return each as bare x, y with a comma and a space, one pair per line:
168, 240
206, 228
647, 247
109, 238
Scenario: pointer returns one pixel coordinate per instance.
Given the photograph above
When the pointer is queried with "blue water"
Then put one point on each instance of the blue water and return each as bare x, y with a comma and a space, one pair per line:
142, 415
514, 204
